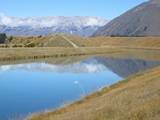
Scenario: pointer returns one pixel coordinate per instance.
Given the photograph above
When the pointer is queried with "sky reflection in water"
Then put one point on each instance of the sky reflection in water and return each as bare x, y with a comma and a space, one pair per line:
37, 87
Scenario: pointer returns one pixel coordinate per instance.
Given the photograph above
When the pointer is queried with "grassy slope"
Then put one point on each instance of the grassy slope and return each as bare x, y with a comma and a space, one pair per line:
47, 41
137, 98
58, 41
153, 42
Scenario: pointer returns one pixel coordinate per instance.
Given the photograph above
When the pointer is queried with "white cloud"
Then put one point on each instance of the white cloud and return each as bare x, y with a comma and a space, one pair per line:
5, 68
51, 21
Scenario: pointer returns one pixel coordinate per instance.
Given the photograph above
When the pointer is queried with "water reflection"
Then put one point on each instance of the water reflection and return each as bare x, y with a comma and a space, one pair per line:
126, 67
45, 67
41, 85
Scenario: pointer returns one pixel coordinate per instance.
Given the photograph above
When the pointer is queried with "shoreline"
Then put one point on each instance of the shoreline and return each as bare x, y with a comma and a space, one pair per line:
78, 106
9, 54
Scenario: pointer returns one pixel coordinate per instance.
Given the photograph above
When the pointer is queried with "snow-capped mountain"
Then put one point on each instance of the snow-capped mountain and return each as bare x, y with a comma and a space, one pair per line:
83, 26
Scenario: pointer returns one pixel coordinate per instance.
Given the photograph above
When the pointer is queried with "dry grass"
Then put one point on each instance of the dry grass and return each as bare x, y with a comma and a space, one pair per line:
46, 52
7, 54
126, 47
59, 41
150, 42
46, 41
137, 98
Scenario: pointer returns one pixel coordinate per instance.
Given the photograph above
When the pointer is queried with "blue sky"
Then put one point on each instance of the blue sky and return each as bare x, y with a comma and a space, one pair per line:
108, 9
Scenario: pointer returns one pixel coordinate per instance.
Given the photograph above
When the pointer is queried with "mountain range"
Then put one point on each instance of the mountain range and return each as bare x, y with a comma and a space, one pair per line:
143, 20
82, 26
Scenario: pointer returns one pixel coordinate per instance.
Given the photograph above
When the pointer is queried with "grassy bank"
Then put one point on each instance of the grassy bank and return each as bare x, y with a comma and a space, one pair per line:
46, 52
137, 98
8, 54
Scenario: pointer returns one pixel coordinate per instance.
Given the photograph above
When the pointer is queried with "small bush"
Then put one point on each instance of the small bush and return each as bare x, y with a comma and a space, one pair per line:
2, 38
39, 36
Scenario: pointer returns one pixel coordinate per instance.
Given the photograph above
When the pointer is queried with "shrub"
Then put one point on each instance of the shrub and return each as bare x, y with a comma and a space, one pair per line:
39, 36
2, 38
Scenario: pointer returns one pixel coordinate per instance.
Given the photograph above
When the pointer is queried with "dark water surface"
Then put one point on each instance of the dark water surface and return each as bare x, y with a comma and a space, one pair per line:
44, 85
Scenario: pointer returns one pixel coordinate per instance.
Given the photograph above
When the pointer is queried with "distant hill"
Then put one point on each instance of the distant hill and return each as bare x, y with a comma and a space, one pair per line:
55, 40
143, 20
82, 26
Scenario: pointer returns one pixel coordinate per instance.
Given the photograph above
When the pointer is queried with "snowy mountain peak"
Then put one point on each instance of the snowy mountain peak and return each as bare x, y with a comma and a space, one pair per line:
83, 26
51, 21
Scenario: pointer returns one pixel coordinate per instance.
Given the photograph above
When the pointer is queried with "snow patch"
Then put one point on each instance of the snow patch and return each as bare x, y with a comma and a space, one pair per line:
60, 21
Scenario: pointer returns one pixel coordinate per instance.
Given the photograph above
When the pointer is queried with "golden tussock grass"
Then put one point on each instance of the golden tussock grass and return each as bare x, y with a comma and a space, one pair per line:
59, 41
46, 52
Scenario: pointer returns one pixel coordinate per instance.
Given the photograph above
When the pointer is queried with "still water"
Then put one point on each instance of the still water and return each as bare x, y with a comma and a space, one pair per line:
40, 86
